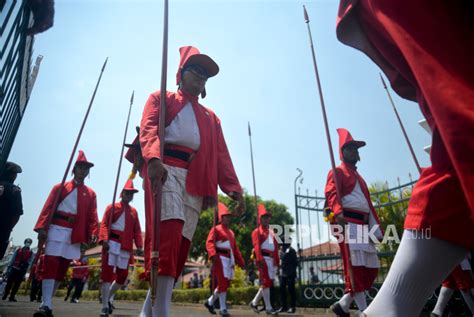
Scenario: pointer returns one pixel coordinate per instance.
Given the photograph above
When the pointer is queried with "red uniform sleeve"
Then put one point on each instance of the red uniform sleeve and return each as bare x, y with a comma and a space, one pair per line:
47, 210
257, 246
238, 256
149, 140
104, 225
226, 176
93, 220
211, 244
137, 231
330, 193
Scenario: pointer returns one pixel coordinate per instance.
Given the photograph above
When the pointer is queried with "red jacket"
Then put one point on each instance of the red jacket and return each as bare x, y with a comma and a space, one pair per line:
212, 164
259, 236
80, 270
223, 233
346, 177
86, 223
132, 231
425, 49
22, 258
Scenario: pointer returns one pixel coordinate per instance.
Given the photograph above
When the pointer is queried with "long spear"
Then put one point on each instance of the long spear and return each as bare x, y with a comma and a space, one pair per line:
254, 184
155, 248
119, 167
401, 125
326, 126
66, 172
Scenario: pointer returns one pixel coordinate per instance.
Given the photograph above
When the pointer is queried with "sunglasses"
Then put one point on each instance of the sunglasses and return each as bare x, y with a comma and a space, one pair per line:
197, 71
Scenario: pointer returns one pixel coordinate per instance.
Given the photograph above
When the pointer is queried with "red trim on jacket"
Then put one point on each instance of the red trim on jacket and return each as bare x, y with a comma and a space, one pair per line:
212, 165
86, 223
259, 236
132, 231
223, 233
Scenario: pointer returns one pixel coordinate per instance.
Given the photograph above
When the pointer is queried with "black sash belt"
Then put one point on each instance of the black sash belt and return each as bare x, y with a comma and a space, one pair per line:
178, 154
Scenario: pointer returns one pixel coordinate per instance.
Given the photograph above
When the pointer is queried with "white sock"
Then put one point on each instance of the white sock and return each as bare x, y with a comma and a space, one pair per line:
56, 285
266, 299
443, 299
212, 298
222, 297
346, 301
257, 297
146, 309
114, 288
468, 299
47, 289
418, 268
105, 292
360, 300
163, 296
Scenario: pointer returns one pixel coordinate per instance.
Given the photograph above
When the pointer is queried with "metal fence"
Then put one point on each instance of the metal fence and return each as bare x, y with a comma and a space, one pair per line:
324, 257
16, 49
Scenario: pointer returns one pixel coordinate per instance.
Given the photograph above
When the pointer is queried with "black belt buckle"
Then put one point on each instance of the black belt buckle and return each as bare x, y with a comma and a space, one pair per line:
63, 217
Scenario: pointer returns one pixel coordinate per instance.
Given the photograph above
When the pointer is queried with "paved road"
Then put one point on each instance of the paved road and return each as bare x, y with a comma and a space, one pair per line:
126, 309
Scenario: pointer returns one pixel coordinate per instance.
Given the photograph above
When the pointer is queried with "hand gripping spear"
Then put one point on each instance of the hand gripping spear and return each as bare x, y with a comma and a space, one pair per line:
155, 247
326, 126
58, 193
118, 169
401, 125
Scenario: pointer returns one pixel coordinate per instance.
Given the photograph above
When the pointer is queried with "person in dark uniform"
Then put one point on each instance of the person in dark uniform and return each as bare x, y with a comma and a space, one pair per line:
289, 263
11, 207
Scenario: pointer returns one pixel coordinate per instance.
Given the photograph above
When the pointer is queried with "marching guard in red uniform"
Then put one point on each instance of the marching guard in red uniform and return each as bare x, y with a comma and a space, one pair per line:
354, 211
267, 258
73, 223
117, 248
195, 161
224, 253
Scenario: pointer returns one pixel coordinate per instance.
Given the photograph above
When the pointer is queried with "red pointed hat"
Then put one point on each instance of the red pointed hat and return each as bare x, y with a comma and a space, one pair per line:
262, 211
190, 55
129, 187
345, 138
222, 210
81, 159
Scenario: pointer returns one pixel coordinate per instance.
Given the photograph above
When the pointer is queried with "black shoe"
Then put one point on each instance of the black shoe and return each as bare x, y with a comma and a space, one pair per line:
272, 312
254, 307
292, 310
337, 309
4, 296
224, 313
65, 298
210, 307
280, 310
105, 312
74, 301
43, 311
12, 299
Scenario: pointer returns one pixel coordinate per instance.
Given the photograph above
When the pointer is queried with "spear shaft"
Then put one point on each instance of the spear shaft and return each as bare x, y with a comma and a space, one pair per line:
401, 125
66, 172
328, 136
119, 168
155, 253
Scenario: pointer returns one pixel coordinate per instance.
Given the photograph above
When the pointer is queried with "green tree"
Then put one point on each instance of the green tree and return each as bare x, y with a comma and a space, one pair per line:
393, 210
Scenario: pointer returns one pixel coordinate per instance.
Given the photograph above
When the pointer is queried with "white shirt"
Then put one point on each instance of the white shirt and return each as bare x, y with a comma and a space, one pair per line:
183, 130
